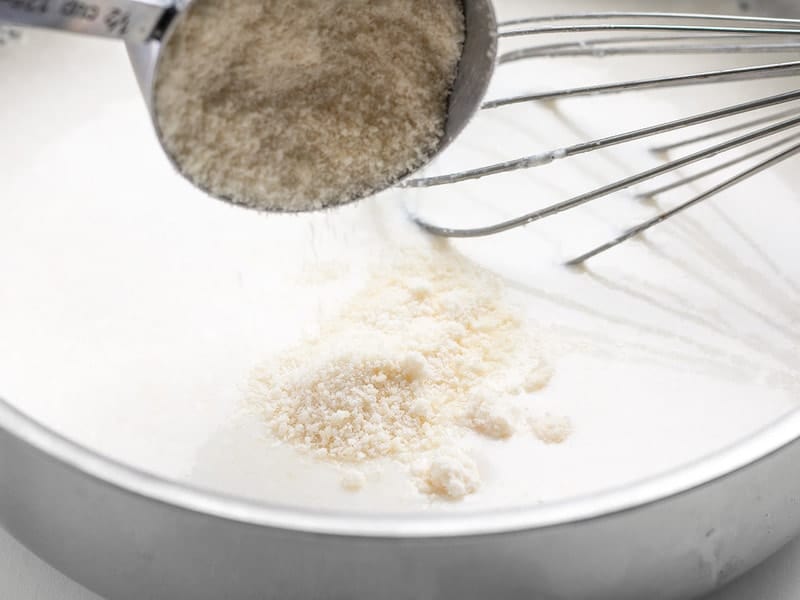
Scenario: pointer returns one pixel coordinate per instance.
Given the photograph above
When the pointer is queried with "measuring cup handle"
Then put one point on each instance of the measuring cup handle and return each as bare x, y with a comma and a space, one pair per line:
131, 20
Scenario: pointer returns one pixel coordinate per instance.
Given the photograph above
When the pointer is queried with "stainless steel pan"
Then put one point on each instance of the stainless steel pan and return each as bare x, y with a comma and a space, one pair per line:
130, 536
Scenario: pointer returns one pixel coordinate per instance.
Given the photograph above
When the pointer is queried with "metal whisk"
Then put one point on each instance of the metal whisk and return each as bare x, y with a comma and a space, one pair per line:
772, 138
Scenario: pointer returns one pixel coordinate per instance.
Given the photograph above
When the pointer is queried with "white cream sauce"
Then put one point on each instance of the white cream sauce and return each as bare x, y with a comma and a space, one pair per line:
132, 307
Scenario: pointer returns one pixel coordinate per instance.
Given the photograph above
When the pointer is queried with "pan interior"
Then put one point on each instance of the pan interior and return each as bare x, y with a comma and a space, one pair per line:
133, 308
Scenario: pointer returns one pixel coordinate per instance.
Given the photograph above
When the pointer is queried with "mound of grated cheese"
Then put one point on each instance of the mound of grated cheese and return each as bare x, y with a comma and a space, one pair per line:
349, 403
429, 347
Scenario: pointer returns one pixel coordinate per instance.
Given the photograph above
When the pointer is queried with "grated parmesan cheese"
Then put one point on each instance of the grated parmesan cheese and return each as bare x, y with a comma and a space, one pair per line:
348, 404
353, 480
490, 417
296, 106
552, 429
429, 348
451, 474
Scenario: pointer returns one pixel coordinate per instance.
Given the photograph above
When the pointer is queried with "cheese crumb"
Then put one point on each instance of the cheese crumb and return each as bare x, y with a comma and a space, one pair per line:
353, 480
537, 378
491, 418
552, 429
451, 475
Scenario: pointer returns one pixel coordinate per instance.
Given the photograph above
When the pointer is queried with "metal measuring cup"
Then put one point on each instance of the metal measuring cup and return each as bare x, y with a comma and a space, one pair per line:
145, 27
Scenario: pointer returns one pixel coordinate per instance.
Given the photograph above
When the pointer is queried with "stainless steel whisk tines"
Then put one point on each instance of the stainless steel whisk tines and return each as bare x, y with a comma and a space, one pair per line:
768, 137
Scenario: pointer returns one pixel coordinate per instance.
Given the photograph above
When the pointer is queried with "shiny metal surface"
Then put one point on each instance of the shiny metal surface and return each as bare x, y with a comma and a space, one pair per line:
475, 72
659, 35
147, 24
127, 535
131, 20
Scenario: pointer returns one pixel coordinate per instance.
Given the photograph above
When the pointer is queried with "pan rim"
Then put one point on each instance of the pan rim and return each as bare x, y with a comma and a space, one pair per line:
659, 487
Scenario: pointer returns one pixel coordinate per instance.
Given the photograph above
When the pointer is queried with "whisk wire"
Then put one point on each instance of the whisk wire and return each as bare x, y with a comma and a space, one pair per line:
593, 145
660, 33
786, 69
633, 46
611, 188
589, 16
642, 227
721, 132
716, 169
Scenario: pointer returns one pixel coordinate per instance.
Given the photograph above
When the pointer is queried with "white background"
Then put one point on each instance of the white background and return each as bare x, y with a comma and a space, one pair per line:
25, 577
